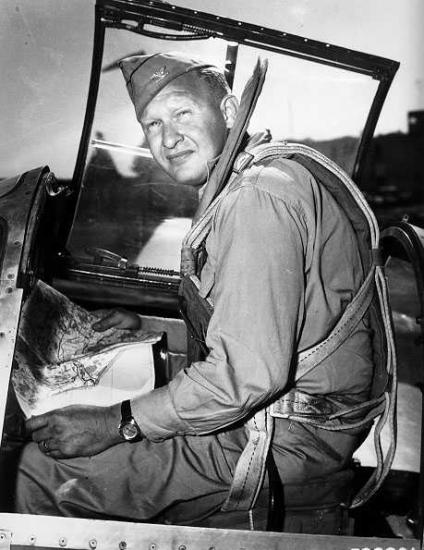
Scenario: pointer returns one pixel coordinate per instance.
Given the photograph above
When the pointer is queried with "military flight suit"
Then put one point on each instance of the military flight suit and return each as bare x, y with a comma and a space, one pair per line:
282, 263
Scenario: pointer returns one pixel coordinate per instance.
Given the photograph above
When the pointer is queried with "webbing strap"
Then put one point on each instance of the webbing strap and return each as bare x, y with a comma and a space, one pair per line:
327, 412
386, 409
284, 149
250, 469
251, 466
354, 312
384, 458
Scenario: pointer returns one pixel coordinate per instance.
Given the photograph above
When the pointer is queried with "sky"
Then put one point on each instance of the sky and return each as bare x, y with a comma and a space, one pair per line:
45, 57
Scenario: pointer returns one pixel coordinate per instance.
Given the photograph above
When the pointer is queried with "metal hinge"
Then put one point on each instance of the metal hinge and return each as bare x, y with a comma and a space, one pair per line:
5, 539
53, 187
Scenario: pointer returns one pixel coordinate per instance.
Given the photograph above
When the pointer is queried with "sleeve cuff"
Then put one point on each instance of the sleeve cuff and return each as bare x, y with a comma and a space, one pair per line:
154, 412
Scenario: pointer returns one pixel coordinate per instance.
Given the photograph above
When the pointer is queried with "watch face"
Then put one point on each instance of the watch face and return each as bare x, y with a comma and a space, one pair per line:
129, 431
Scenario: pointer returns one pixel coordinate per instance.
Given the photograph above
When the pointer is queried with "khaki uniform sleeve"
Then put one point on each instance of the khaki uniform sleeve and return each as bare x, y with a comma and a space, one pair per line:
256, 250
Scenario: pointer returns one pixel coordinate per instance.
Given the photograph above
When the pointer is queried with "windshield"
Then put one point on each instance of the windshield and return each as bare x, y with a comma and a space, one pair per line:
132, 208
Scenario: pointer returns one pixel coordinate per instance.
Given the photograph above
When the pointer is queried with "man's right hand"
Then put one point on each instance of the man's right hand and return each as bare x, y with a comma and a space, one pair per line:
77, 430
118, 318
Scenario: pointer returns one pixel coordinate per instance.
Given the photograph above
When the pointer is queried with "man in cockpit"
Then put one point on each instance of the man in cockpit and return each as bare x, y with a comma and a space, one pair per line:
282, 262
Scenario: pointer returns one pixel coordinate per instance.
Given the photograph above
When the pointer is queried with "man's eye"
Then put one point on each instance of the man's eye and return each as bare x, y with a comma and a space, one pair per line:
183, 113
150, 126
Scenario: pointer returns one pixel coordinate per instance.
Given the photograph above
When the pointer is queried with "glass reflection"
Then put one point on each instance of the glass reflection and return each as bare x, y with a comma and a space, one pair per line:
130, 207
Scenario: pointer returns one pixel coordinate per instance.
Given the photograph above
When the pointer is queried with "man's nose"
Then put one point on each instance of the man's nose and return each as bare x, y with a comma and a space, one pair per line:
170, 135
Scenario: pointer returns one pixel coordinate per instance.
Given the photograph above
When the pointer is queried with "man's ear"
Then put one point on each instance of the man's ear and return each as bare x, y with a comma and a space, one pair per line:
229, 107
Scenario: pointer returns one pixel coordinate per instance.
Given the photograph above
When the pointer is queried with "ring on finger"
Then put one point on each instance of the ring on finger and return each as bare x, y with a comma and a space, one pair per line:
45, 445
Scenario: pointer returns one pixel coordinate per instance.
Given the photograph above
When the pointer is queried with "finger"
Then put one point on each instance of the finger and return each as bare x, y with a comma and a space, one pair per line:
107, 322
127, 320
41, 434
36, 422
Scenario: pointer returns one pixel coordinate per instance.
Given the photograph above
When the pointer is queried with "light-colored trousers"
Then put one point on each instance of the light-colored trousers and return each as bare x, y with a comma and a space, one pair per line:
139, 481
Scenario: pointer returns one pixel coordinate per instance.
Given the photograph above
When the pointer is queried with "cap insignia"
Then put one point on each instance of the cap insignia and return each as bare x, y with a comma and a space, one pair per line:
159, 74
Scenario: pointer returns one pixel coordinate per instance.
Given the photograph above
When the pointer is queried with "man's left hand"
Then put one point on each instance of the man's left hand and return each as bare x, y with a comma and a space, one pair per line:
76, 430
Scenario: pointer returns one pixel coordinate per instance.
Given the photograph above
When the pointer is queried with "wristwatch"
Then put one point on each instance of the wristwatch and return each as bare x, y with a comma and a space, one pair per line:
128, 428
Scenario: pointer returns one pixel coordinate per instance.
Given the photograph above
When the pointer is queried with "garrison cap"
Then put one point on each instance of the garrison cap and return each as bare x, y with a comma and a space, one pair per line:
147, 75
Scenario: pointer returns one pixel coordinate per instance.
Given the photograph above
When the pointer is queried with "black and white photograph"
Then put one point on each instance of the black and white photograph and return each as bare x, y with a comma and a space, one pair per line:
212, 274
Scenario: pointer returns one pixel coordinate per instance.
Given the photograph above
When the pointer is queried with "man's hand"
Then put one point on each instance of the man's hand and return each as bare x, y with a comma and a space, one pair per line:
76, 430
118, 318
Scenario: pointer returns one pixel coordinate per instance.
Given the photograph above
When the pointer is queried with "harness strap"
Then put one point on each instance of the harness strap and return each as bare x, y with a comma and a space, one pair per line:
250, 469
354, 312
327, 412
251, 466
388, 417
385, 409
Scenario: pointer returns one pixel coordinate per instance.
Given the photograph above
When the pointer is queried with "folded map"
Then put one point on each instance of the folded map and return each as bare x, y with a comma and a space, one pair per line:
60, 360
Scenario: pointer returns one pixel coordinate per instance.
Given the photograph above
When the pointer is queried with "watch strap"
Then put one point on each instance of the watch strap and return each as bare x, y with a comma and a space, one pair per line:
126, 412
128, 428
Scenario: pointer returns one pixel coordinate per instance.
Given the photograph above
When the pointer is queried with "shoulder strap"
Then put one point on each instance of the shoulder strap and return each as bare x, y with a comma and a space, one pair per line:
372, 295
309, 359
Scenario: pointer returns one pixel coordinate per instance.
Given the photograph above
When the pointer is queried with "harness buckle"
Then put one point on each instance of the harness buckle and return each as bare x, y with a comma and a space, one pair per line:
243, 161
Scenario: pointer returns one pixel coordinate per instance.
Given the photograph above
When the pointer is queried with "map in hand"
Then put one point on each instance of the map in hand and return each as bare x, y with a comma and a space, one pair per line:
58, 353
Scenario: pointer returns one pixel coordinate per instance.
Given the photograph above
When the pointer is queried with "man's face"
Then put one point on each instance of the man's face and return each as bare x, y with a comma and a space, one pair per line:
185, 129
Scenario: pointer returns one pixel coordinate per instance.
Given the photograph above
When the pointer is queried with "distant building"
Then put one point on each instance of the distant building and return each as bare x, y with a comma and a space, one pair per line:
394, 170
393, 176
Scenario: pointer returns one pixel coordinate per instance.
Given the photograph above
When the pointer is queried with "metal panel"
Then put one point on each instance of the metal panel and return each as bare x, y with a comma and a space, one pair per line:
48, 532
14, 210
8, 184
